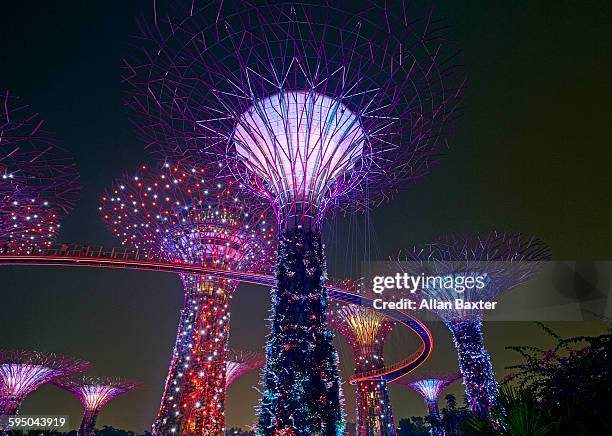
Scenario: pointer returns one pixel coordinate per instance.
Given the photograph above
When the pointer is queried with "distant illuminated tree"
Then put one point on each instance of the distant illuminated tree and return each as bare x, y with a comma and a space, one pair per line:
94, 393
39, 182
366, 330
503, 261
241, 362
22, 372
189, 215
430, 387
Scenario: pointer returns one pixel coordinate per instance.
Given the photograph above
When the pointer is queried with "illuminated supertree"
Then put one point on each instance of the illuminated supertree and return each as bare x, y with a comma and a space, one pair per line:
501, 261
241, 362
366, 330
94, 393
185, 215
22, 372
430, 387
38, 180
313, 108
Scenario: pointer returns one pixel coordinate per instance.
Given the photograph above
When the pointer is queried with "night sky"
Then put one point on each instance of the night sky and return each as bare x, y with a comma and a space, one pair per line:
531, 154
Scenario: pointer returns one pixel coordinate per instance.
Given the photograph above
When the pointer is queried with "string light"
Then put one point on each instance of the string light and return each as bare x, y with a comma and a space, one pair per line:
202, 222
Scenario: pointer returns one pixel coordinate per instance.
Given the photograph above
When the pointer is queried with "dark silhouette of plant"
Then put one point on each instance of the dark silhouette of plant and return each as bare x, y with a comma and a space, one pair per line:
571, 381
453, 417
452, 421
515, 413
413, 426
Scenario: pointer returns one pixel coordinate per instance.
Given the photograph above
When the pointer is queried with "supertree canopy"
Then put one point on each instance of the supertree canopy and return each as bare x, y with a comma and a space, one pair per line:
312, 108
22, 372
187, 215
504, 260
94, 393
366, 330
38, 180
241, 362
430, 387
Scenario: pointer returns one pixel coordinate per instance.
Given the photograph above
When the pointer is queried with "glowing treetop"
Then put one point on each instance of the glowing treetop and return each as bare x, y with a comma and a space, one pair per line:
94, 393
22, 372
312, 106
184, 214
365, 330
38, 180
504, 260
241, 362
430, 387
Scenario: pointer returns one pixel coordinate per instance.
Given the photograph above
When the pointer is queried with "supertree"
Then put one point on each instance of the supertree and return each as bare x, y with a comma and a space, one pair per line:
366, 330
94, 393
38, 179
313, 108
187, 215
430, 387
22, 372
240, 362
501, 261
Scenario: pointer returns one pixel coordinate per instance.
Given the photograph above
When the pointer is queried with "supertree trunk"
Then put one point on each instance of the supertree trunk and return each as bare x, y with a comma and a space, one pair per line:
88, 424
302, 394
435, 422
195, 387
475, 365
374, 415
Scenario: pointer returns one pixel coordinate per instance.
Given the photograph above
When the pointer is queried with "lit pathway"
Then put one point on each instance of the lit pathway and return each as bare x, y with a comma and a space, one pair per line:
122, 258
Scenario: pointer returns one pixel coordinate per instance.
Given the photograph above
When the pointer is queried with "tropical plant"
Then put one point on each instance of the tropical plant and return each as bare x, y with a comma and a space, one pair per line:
515, 413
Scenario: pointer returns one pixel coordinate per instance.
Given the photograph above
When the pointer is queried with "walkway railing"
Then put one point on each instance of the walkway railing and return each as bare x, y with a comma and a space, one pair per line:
72, 250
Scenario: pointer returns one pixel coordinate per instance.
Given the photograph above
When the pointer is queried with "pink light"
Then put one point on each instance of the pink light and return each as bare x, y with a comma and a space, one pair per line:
96, 396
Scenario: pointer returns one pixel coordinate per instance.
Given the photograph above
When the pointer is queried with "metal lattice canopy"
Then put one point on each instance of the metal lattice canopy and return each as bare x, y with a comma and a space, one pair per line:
39, 182
429, 385
95, 392
505, 260
312, 106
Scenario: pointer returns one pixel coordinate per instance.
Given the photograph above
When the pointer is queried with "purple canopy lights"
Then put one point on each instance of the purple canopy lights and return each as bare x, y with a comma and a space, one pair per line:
505, 260
430, 387
366, 330
39, 182
94, 393
185, 214
241, 362
22, 372
312, 108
